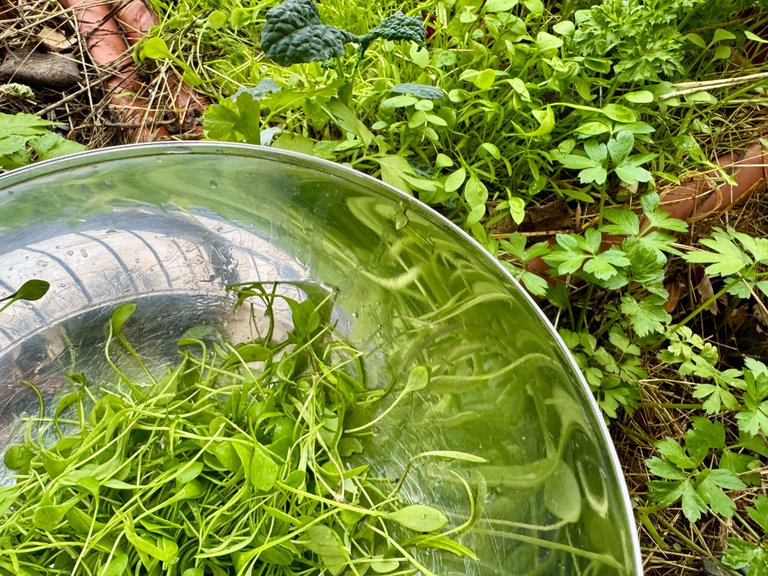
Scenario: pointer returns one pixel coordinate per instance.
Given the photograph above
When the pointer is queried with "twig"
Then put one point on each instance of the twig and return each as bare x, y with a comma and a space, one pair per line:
691, 87
69, 97
504, 235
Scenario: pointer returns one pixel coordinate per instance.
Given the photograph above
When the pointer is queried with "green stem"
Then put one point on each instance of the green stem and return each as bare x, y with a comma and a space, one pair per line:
636, 434
706, 304
683, 538
582, 325
604, 559
672, 405
654, 534
747, 526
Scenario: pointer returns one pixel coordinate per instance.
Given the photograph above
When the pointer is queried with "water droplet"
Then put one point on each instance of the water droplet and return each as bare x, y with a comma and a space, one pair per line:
375, 431
355, 315
213, 184
83, 253
69, 252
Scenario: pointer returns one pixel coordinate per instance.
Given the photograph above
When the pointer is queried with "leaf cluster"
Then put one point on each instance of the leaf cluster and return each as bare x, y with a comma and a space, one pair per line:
517, 95
751, 557
686, 477
612, 370
639, 260
293, 33
26, 138
738, 257
644, 38
238, 458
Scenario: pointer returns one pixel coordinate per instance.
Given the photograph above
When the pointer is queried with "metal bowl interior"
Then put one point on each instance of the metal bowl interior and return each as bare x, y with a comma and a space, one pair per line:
170, 225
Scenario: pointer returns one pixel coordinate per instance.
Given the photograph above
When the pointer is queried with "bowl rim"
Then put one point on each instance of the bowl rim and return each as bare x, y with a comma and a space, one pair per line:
137, 150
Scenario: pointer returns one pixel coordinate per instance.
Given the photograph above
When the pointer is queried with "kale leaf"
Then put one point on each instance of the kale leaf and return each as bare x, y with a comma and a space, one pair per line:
293, 34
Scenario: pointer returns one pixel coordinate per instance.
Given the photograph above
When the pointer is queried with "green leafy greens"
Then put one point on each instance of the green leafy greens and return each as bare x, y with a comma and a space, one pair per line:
235, 461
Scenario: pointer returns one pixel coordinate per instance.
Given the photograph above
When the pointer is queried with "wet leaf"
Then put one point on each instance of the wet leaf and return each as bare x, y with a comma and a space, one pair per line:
419, 518
562, 495
264, 471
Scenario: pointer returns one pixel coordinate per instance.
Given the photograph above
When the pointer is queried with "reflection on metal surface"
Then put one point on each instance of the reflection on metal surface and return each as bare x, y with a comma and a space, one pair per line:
412, 290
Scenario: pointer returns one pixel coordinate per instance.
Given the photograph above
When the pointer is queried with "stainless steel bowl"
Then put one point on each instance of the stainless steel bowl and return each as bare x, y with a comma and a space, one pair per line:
169, 225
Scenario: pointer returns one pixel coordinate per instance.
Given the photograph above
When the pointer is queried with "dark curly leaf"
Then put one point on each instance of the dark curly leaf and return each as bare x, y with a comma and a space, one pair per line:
293, 33
400, 27
395, 27
419, 90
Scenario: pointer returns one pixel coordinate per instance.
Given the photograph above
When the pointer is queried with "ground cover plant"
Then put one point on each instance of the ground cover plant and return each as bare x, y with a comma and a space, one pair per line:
572, 139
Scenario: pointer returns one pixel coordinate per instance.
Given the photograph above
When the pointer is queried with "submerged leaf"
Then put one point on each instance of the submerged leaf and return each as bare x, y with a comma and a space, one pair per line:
120, 316
562, 495
418, 379
419, 518
30, 291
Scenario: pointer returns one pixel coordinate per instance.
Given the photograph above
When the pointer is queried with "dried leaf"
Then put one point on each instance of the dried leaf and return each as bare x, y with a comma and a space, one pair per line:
54, 40
673, 289
704, 288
